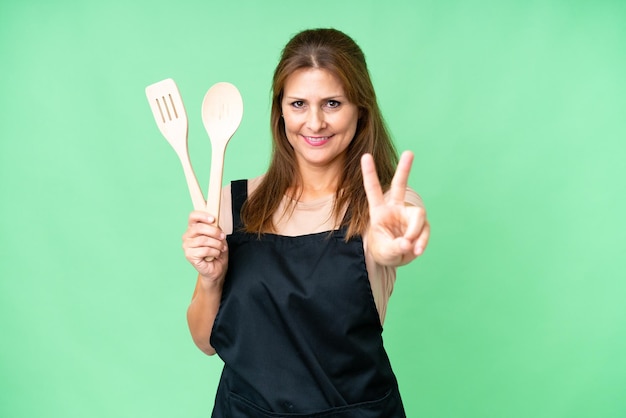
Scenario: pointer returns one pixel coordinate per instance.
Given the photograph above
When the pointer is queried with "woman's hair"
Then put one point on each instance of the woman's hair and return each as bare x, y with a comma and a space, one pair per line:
334, 51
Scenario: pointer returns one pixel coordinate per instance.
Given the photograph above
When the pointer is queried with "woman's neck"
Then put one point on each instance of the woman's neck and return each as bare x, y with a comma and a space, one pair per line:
316, 183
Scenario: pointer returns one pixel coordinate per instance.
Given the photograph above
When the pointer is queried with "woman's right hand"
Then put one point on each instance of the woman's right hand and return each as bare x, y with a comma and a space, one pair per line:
203, 241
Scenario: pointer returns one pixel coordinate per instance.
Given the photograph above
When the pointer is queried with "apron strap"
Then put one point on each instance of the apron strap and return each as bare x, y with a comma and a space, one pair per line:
239, 195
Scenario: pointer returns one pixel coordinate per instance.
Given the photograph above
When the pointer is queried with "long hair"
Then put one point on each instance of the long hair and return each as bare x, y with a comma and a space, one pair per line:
334, 51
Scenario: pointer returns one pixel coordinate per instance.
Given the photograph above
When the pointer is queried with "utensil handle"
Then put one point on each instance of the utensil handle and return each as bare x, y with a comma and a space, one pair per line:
214, 195
215, 183
197, 198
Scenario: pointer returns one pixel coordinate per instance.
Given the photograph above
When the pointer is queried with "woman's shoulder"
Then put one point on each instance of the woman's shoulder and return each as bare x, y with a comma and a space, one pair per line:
253, 183
411, 197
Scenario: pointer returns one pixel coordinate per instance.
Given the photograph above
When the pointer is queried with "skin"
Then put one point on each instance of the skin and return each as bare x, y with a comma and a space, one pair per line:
398, 233
320, 123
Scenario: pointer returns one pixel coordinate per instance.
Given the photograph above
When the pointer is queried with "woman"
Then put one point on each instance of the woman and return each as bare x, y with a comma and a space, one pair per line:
304, 258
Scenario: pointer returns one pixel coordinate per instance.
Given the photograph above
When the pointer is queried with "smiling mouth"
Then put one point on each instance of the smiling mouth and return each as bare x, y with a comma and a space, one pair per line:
317, 140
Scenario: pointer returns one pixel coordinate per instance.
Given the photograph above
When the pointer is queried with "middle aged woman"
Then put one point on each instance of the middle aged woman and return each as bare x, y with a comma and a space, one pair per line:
305, 256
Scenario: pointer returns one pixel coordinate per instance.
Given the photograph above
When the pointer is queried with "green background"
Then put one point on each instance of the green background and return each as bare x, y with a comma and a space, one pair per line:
516, 111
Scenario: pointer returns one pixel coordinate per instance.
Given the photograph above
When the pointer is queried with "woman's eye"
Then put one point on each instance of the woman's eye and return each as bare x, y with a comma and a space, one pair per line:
333, 104
298, 104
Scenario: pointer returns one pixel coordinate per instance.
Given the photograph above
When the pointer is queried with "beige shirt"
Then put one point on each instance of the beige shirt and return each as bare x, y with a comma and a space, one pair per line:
316, 216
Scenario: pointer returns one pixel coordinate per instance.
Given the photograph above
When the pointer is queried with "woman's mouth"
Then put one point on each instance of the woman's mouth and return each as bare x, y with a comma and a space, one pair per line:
316, 141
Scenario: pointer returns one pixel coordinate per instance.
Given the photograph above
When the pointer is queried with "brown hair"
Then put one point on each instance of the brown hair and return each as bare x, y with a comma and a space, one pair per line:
336, 52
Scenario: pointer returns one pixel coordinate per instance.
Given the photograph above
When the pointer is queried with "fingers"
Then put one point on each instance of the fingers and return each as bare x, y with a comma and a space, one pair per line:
202, 223
400, 178
408, 249
417, 231
203, 239
397, 233
202, 248
199, 256
200, 216
422, 241
370, 181
398, 183
416, 217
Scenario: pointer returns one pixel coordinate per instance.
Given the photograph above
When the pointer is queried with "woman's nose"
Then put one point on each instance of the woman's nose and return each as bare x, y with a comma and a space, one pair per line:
315, 120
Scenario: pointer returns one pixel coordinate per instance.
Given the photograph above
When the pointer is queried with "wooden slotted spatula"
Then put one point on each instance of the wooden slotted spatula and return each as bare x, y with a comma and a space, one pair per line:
169, 114
222, 110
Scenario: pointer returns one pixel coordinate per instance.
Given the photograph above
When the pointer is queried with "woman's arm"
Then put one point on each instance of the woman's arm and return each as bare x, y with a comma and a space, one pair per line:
204, 240
202, 311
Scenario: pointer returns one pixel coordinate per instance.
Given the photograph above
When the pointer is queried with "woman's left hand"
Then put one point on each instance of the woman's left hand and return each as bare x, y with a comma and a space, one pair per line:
397, 232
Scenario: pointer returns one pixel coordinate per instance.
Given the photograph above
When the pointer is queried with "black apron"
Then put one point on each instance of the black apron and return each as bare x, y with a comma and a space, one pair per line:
298, 330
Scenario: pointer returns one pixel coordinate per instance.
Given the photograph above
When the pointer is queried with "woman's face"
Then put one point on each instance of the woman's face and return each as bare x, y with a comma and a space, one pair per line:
320, 121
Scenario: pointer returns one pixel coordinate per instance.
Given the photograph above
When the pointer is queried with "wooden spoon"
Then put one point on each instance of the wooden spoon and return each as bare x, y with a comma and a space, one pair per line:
222, 110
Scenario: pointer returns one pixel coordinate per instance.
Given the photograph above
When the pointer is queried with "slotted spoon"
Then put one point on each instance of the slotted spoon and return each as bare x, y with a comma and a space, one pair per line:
171, 118
222, 110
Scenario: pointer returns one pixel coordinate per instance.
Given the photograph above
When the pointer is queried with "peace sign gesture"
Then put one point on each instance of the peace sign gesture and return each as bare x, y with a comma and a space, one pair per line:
397, 232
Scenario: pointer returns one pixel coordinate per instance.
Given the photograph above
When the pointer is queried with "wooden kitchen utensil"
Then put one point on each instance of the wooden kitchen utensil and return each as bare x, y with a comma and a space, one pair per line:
222, 110
169, 114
